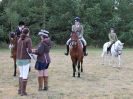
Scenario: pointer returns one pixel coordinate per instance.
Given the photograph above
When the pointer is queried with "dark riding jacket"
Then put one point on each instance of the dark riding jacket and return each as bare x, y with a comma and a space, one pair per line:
43, 50
23, 48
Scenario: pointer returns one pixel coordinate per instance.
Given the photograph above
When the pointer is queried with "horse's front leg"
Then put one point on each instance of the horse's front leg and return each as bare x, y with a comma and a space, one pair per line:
78, 68
110, 59
74, 69
15, 66
82, 66
119, 60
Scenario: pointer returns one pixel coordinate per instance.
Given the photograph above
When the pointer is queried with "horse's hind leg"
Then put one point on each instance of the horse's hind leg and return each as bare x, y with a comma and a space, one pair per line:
15, 67
78, 69
103, 58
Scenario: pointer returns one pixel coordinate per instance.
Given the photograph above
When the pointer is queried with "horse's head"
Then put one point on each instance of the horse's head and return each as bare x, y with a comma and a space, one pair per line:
12, 35
13, 38
119, 46
74, 39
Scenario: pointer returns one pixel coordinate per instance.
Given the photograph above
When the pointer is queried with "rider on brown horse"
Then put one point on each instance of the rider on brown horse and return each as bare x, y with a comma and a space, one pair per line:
78, 28
20, 28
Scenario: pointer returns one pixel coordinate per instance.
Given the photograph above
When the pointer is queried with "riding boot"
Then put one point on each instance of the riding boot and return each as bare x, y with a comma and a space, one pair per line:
67, 50
84, 50
24, 84
40, 83
109, 48
45, 83
20, 85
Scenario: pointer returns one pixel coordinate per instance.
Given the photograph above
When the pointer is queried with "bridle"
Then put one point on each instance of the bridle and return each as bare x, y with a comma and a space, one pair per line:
13, 39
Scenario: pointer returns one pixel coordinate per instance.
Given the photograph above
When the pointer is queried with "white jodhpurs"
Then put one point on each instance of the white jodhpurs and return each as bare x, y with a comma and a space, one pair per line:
24, 71
82, 40
68, 41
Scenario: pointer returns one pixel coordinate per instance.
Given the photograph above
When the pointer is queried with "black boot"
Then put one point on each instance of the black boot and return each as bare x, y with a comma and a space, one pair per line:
109, 48
67, 50
84, 50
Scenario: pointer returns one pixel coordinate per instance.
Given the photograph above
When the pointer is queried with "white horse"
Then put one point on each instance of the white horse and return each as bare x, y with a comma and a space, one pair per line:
115, 54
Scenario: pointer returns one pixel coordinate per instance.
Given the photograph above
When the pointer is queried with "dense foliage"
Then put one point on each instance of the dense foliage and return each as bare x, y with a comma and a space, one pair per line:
97, 16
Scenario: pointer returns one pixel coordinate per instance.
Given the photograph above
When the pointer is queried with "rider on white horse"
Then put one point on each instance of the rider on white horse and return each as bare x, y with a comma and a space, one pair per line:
114, 46
78, 28
112, 39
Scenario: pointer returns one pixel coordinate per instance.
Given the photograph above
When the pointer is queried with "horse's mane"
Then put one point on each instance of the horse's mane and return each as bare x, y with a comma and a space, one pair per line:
75, 34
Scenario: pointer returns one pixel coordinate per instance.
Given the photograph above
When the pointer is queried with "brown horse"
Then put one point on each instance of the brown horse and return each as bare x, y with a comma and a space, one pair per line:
13, 41
76, 53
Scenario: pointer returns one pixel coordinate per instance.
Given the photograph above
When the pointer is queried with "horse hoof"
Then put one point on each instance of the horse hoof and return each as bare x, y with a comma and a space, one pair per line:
14, 75
82, 71
73, 75
79, 75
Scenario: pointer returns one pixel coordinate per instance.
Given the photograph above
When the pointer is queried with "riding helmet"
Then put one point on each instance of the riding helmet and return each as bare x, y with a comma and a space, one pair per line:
21, 23
77, 18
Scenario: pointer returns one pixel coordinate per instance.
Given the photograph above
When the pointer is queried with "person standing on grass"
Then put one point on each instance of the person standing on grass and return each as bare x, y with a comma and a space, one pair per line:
43, 59
24, 45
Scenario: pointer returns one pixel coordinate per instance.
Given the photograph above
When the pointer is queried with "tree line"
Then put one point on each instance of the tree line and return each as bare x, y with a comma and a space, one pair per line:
97, 16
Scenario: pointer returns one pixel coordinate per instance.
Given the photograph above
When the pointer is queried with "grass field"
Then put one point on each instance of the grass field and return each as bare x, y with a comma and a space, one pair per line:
96, 82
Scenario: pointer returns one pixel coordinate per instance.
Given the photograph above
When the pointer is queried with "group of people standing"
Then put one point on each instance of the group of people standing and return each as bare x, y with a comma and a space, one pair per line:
24, 48
23, 58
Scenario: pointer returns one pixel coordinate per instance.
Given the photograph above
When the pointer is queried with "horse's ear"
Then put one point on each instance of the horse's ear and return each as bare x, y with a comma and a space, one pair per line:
122, 43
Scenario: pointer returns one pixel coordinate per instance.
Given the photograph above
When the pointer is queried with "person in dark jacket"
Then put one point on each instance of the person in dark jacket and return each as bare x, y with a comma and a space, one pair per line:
43, 59
19, 29
24, 45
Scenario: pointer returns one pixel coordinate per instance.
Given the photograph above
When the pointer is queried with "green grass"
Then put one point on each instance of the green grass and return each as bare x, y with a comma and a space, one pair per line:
96, 82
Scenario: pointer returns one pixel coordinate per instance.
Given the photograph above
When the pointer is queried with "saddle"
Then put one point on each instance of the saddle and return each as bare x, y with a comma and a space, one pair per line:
81, 42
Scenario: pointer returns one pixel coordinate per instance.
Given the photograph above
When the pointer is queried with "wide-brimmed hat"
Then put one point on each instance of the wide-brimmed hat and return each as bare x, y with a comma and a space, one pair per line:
43, 32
